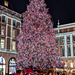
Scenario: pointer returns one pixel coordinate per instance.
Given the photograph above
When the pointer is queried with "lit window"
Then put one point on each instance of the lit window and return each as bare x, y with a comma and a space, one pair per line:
71, 65
68, 39
14, 22
69, 51
74, 38
2, 43
6, 3
12, 66
65, 64
2, 30
74, 50
12, 62
3, 18
13, 45
62, 39
63, 51
13, 33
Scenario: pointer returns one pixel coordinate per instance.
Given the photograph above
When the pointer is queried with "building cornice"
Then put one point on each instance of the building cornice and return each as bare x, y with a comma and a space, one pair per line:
64, 26
11, 13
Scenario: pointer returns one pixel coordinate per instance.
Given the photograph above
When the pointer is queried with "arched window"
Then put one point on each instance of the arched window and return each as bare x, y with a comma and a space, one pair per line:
12, 66
2, 66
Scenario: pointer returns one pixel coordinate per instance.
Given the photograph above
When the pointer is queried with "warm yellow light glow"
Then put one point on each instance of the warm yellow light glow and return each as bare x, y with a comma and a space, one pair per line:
65, 64
72, 65
6, 3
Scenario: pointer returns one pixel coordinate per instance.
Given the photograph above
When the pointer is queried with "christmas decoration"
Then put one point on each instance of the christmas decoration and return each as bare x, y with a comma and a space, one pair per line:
36, 43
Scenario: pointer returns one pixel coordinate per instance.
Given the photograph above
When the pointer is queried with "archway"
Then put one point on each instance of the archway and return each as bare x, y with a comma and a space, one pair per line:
2, 66
12, 66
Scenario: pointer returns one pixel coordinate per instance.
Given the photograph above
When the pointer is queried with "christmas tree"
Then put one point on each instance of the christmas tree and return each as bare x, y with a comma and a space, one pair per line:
36, 43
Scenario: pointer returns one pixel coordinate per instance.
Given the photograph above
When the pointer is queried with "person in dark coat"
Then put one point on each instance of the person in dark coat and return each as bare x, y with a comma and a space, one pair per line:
19, 72
50, 72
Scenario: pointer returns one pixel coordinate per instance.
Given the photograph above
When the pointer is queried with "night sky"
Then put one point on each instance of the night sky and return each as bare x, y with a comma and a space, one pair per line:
64, 10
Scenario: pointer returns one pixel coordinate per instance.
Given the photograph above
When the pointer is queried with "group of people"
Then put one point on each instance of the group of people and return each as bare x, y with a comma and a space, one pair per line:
20, 72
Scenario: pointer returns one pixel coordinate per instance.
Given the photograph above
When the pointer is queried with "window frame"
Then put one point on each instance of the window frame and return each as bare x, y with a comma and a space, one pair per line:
4, 19
2, 27
67, 39
14, 23
56, 40
2, 44
14, 33
74, 50
14, 49
69, 51
73, 38
62, 52
12, 65
62, 40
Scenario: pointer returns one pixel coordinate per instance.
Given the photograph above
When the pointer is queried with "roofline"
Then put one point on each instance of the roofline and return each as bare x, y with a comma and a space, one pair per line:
66, 24
9, 11
63, 26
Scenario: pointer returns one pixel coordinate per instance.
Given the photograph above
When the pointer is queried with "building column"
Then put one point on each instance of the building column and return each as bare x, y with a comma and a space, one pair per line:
6, 35
11, 38
71, 45
65, 46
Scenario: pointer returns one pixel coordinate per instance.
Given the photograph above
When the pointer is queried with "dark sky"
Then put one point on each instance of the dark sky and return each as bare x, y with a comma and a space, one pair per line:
64, 10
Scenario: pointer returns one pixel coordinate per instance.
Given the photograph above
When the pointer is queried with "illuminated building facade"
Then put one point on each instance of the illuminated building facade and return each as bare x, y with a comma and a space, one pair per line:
65, 39
9, 23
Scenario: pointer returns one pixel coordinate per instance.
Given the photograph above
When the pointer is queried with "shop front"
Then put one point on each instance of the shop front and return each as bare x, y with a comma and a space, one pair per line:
7, 63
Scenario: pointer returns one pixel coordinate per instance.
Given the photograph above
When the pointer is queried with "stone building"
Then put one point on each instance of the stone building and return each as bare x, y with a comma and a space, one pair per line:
9, 23
65, 39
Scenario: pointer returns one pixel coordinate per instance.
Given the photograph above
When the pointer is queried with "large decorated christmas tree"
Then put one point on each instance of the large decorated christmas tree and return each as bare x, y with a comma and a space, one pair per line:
36, 42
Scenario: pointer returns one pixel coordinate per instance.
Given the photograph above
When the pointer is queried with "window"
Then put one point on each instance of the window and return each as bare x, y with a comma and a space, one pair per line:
56, 31
68, 39
65, 64
12, 66
74, 38
14, 33
74, 50
62, 40
2, 30
71, 65
56, 40
73, 29
6, 3
13, 45
14, 22
62, 30
2, 43
63, 51
3, 18
69, 51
